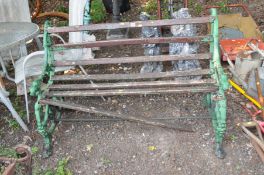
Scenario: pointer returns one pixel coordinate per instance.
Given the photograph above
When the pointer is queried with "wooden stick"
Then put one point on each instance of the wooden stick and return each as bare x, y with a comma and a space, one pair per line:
2, 85
112, 114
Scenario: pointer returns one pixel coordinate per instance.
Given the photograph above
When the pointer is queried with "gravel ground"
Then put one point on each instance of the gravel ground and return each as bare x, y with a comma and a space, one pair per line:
121, 147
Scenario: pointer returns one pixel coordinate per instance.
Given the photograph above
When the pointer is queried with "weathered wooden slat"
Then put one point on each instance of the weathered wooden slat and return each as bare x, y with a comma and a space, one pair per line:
139, 59
134, 41
134, 76
93, 110
142, 84
135, 24
113, 92
118, 119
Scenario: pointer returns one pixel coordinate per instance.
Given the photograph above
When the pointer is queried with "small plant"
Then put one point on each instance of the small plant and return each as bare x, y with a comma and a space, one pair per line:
223, 7
62, 23
196, 6
12, 123
10, 153
34, 150
62, 8
61, 169
106, 161
151, 8
97, 12
18, 104
19, 108
7, 152
233, 138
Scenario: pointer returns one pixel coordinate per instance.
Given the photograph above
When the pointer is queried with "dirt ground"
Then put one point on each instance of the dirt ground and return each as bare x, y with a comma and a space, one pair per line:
124, 148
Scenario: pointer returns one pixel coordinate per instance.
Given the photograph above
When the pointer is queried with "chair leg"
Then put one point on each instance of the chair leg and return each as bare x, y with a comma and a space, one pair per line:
8, 104
5, 70
30, 56
39, 44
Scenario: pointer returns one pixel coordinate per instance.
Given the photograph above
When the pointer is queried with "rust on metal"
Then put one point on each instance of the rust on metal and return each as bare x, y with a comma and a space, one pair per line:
134, 41
26, 160
185, 3
132, 76
93, 110
53, 14
10, 169
135, 24
144, 84
159, 9
139, 59
245, 8
36, 10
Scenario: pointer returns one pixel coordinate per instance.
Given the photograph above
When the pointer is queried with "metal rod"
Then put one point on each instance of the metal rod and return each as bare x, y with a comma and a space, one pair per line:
134, 41
159, 9
113, 114
134, 76
185, 3
139, 59
135, 24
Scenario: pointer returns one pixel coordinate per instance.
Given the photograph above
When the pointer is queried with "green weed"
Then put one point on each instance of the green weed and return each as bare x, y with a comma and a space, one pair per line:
98, 13
7, 152
106, 161
62, 23
223, 7
151, 8
12, 123
18, 105
34, 150
60, 169
197, 7
62, 8
233, 138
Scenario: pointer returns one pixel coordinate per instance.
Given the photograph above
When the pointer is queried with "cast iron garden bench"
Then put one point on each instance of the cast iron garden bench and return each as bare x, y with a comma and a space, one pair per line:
51, 88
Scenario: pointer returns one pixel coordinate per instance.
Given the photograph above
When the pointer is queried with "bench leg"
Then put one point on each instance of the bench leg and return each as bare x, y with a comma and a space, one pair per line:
46, 123
218, 106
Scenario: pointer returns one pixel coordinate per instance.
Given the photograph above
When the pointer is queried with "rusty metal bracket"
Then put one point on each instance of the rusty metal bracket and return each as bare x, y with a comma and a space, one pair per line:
26, 158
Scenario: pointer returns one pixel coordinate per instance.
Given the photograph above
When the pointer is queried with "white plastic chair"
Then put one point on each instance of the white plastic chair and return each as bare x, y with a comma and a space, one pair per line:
76, 17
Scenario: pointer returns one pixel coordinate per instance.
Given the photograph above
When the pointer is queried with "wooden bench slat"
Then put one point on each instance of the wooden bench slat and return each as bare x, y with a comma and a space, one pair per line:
111, 114
134, 41
139, 59
144, 84
135, 24
132, 76
113, 92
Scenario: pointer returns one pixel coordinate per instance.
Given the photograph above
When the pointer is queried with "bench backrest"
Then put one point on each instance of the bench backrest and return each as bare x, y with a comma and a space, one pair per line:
138, 81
